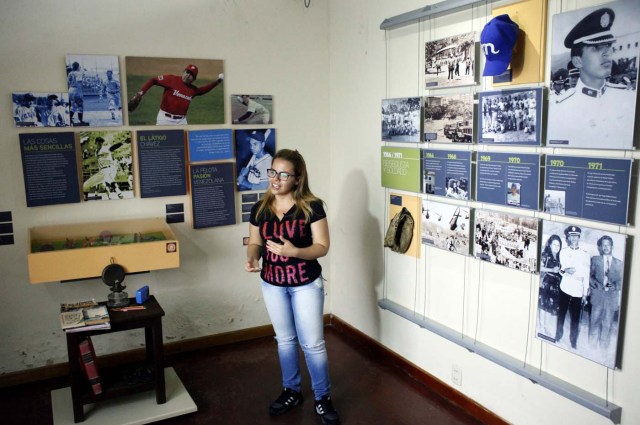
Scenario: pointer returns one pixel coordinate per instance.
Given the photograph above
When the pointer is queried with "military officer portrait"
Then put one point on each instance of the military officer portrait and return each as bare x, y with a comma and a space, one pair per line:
599, 48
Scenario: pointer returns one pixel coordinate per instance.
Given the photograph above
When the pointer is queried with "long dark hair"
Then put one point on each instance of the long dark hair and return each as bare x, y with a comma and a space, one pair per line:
302, 195
547, 246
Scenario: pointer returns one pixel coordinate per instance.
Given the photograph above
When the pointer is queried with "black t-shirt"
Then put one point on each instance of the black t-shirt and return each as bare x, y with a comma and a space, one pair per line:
288, 271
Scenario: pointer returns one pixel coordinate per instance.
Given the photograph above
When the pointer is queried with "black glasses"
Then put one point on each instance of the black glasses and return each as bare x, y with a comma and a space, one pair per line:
282, 175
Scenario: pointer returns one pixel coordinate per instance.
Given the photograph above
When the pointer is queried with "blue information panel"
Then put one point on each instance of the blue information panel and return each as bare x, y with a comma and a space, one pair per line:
446, 173
50, 168
210, 145
509, 179
162, 163
590, 188
212, 195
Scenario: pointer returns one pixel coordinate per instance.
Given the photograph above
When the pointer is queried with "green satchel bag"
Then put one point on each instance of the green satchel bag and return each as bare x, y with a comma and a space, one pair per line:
400, 232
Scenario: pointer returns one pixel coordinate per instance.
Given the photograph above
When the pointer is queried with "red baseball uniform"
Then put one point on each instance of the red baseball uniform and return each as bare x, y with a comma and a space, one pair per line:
177, 95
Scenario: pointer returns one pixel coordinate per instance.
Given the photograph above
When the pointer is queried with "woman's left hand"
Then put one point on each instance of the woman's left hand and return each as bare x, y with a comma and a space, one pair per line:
285, 249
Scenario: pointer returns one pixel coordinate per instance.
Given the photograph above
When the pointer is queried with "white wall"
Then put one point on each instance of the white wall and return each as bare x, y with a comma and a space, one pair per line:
277, 47
493, 304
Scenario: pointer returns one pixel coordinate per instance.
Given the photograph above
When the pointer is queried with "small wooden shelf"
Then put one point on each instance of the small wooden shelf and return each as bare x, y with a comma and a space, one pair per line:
82, 262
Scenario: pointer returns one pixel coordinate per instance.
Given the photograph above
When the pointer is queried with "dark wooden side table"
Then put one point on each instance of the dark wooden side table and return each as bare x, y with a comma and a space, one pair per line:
114, 386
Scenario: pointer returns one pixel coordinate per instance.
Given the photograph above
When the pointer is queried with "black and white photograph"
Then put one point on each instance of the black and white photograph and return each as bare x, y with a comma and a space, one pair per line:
94, 90
450, 61
255, 149
581, 283
251, 109
401, 119
106, 165
446, 226
449, 119
32, 109
457, 187
513, 194
594, 73
554, 201
506, 239
510, 117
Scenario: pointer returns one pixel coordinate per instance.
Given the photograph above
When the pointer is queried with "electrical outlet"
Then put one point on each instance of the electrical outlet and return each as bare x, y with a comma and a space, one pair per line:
456, 374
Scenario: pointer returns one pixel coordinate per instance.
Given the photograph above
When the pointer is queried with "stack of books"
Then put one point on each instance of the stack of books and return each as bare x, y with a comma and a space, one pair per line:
84, 316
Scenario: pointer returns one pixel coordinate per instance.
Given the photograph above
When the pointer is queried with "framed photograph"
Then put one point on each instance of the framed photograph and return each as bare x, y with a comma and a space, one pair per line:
506, 239
31, 109
174, 91
106, 165
445, 226
581, 284
594, 73
401, 119
94, 90
254, 155
510, 117
448, 119
450, 61
251, 109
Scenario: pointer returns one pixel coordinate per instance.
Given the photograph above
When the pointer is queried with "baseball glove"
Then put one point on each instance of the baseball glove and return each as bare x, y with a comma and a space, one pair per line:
134, 102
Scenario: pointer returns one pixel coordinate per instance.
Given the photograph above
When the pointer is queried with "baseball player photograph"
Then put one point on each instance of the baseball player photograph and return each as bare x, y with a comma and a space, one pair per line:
94, 90
167, 91
250, 109
32, 109
401, 119
106, 165
601, 46
583, 295
254, 154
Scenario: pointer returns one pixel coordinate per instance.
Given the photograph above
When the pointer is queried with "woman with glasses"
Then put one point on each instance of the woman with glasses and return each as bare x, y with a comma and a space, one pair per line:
289, 231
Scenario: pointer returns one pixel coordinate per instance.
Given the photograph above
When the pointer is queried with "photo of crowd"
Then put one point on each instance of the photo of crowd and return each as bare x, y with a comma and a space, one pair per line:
580, 292
506, 239
445, 226
401, 119
510, 116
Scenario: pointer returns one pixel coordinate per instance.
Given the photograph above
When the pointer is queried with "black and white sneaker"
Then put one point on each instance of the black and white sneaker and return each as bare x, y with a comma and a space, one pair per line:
324, 408
288, 399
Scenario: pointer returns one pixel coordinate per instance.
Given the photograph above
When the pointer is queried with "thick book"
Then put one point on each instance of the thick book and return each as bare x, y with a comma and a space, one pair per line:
82, 316
88, 363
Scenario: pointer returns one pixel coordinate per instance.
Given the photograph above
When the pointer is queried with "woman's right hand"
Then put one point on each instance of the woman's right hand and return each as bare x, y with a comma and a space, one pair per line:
252, 265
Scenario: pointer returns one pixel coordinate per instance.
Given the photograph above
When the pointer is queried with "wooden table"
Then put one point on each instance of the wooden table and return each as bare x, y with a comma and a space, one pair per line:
113, 386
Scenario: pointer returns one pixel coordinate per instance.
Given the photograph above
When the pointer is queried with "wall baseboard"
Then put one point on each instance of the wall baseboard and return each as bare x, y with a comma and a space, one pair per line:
359, 340
431, 383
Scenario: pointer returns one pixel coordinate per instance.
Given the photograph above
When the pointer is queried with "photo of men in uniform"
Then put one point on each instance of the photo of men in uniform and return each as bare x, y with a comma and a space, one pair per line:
251, 109
505, 239
450, 62
254, 154
580, 292
449, 119
594, 72
94, 90
401, 120
445, 226
32, 109
510, 116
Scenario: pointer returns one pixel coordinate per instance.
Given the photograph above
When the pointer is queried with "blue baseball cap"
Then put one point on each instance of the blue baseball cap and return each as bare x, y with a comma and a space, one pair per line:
497, 39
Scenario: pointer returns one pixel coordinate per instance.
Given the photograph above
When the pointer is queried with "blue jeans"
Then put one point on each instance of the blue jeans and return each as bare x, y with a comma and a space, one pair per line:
296, 314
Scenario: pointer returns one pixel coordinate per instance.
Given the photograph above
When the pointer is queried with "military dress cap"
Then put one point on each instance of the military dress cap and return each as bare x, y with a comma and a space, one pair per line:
593, 29
572, 230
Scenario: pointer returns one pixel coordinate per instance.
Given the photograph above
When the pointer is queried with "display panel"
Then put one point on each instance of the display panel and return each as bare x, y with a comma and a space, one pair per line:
446, 173
32, 109
400, 168
401, 120
446, 226
212, 195
162, 162
580, 292
510, 117
254, 154
450, 61
508, 179
506, 239
591, 188
449, 119
594, 72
